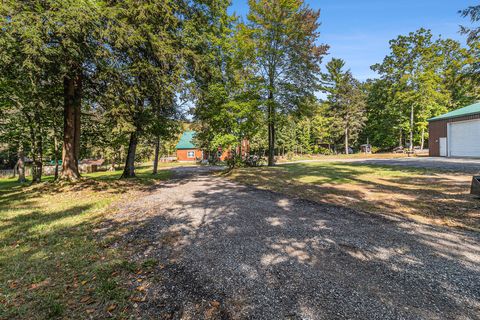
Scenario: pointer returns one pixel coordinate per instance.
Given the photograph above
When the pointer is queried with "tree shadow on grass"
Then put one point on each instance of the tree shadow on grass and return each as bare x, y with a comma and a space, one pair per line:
53, 265
25, 194
397, 191
42, 254
225, 251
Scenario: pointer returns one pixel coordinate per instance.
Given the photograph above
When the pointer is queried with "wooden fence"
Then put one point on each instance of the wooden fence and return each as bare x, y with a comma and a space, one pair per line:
10, 172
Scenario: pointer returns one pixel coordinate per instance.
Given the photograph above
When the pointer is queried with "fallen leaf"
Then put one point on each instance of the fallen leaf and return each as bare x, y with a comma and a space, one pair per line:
111, 307
141, 288
84, 282
40, 284
138, 299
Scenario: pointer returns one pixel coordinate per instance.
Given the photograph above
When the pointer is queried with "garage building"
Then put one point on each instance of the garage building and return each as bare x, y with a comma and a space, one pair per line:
456, 134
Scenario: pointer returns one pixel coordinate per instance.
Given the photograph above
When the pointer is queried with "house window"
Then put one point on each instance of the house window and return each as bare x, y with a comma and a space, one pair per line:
191, 154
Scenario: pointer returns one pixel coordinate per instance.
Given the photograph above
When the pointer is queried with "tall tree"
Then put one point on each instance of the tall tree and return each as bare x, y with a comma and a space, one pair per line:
346, 100
412, 69
457, 71
144, 69
227, 98
62, 39
284, 35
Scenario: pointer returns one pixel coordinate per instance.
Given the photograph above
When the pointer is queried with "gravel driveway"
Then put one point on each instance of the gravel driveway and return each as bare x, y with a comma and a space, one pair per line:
449, 164
225, 251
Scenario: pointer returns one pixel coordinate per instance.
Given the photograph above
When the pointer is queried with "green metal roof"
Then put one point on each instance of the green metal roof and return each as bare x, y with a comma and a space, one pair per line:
471, 109
186, 141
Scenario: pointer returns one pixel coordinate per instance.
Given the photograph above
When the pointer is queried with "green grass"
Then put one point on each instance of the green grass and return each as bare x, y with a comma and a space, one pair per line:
430, 196
53, 263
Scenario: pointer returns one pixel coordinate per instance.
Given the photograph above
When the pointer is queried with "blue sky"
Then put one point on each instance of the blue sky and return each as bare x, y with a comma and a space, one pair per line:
358, 31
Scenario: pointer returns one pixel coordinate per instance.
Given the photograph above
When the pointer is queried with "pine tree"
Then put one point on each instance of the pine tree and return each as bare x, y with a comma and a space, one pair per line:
346, 101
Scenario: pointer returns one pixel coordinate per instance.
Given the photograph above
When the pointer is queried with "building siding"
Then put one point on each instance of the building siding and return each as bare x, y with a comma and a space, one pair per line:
182, 154
438, 129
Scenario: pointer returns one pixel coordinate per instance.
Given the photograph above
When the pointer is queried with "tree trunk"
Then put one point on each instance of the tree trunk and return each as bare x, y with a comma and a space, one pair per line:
157, 152
271, 130
78, 110
240, 153
411, 128
37, 148
422, 145
346, 141
21, 165
400, 136
55, 153
37, 159
71, 129
129, 169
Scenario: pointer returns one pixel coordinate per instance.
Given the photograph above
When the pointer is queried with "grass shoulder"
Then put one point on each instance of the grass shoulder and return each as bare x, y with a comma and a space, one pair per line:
426, 195
52, 260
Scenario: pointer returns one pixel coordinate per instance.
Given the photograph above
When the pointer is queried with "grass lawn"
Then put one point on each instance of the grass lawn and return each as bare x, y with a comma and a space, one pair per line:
425, 195
53, 264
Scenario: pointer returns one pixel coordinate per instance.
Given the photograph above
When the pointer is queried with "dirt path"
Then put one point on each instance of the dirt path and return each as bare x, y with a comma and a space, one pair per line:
224, 251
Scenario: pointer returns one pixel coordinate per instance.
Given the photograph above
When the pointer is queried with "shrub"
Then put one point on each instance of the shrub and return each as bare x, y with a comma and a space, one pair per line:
322, 150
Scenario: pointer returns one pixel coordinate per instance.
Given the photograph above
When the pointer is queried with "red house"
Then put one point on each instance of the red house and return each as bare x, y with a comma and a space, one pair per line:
186, 149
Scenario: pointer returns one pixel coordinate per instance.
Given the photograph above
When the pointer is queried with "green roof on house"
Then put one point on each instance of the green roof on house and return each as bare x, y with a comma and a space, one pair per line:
186, 141
468, 110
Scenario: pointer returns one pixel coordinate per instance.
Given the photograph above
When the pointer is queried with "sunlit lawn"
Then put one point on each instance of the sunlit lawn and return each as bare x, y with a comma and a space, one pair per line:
425, 195
51, 260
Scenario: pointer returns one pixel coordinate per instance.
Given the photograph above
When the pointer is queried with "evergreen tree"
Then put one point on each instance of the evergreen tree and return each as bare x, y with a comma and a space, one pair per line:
346, 101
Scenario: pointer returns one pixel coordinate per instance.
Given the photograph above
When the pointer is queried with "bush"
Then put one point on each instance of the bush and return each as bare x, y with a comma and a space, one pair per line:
290, 155
375, 149
322, 150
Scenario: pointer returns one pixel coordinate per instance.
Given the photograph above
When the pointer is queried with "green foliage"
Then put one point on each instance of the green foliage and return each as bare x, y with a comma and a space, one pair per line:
472, 12
419, 79
227, 109
282, 36
346, 102
141, 64
322, 150
135, 61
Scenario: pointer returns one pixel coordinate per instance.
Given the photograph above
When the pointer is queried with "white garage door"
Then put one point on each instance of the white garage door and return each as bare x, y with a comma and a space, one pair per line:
464, 138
